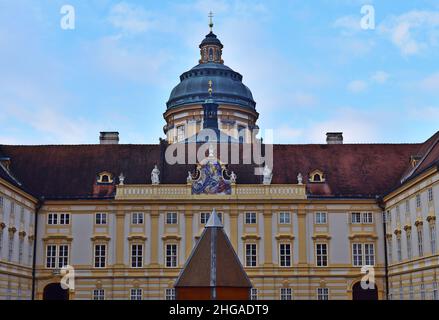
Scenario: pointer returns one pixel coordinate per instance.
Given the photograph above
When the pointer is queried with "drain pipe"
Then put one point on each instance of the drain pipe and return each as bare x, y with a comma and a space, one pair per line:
386, 262
34, 258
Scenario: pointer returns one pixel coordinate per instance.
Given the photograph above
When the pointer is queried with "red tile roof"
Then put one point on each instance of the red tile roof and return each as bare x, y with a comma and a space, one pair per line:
351, 170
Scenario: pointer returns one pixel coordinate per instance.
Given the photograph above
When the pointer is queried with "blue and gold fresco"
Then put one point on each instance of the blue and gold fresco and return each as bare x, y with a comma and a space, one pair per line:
211, 180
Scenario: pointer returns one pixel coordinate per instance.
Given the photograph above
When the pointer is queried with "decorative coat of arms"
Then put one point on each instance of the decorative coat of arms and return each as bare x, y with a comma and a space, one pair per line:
211, 178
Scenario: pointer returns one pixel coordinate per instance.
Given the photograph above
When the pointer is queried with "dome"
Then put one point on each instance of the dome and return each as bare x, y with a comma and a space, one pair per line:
226, 84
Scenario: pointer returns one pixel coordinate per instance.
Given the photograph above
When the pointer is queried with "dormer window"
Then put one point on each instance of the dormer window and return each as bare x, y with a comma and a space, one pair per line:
105, 178
316, 176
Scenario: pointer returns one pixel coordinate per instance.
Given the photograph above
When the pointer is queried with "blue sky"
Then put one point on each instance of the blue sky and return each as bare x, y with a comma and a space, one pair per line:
310, 66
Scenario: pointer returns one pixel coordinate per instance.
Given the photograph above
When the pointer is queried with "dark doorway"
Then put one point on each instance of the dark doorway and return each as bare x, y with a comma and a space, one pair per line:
54, 291
359, 293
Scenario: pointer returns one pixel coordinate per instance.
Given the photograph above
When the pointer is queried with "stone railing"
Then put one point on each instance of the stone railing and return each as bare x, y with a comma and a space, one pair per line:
243, 191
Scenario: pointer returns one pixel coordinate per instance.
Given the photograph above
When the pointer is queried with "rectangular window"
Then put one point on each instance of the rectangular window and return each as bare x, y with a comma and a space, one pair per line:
389, 217
430, 194
136, 294
418, 201
369, 254
420, 241
286, 294
422, 291
137, 218
51, 256
64, 218
99, 294
11, 247
435, 291
285, 254
411, 292
389, 250
321, 254
250, 255
254, 294
170, 294
180, 133
321, 218
357, 254
250, 217
401, 292
171, 255
399, 248
355, 217
171, 218
433, 237
284, 218
407, 206
367, 217
101, 218
63, 255
137, 255
204, 217
322, 294
100, 255
20, 250
2, 201
29, 252
52, 218
409, 245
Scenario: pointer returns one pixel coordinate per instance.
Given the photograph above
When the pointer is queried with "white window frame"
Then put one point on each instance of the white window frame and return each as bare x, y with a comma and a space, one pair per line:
284, 217
171, 256
409, 245
64, 218
181, 132
285, 258
418, 201
430, 194
432, 231
357, 254
101, 218
321, 249
367, 217
251, 257
98, 294
136, 255
100, 256
322, 293
171, 218
169, 294
136, 294
253, 294
63, 255
250, 218
52, 218
369, 253
137, 218
321, 218
420, 233
204, 217
355, 217
286, 294
51, 256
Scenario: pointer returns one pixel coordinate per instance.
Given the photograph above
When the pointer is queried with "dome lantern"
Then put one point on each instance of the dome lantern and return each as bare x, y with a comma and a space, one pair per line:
211, 47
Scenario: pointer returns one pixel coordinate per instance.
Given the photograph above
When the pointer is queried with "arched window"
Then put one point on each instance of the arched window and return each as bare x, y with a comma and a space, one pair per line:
316, 176
105, 177
210, 54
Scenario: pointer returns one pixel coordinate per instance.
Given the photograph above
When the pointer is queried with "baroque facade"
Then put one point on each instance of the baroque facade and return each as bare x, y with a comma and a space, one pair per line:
127, 220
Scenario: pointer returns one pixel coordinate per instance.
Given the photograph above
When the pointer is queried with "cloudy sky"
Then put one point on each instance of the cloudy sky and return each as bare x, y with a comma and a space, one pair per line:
310, 66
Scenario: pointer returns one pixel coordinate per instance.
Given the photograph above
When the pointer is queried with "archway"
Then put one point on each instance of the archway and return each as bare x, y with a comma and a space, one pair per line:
54, 291
358, 293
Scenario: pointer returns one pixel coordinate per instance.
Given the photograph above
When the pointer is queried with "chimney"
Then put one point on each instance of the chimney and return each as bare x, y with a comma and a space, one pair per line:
334, 137
109, 137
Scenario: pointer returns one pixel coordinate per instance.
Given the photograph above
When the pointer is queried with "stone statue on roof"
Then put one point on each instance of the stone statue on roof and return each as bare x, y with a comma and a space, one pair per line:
299, 178
155, 175
268, 174
233, 177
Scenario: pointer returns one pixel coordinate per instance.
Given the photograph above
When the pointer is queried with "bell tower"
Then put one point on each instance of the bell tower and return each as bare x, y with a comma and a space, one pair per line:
211, 47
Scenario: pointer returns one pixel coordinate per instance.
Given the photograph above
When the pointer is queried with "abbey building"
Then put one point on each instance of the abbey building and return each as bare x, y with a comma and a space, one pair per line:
310, 225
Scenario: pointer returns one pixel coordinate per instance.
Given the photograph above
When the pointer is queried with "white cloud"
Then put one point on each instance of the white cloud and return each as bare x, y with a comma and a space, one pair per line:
301, 99
412, 32
131, 18
357, 86
431, 82
349, 25
380, 77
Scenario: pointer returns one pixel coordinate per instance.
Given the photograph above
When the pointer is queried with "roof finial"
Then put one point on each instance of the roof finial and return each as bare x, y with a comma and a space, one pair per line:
210, 88
210, 21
